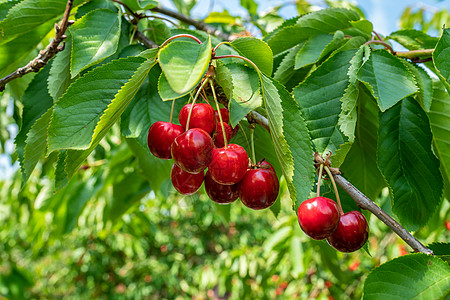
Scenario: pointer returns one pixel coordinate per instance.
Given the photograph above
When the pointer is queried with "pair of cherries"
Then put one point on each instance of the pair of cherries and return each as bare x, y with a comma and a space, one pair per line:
203, 146
319, 218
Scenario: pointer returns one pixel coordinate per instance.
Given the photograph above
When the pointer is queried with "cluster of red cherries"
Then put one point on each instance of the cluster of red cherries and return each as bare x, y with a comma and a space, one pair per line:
321, 218
200, 144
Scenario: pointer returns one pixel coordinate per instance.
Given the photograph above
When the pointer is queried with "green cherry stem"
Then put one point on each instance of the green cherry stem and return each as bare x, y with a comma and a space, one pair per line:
193, 102
241, 57
319, 180
218, 112
171, 111
252, 142
335, 189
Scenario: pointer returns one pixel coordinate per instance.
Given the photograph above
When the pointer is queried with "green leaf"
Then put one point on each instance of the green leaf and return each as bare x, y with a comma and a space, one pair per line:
245, 94
184, 63
405, 160
285, 70
59, 79
360, 164
95, 37
93, 5
363, 27
29, 14
439, 116
441, 249
36, 101
413, 39
441, 58
312, 49
113, 111
77, 113
136, 5
319, 99
165, 90
257, 51
5, 7
291, 140
158, 31
425, 85
387, 78
223, 17
250, 5
316, 23
414, 276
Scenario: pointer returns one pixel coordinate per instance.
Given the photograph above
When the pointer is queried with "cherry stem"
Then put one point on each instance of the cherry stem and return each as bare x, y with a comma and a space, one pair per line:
319, 180
335, 189
386, 45
204, 96
180, 36
219, 113
252, 142
193, 103
241, 57
219, 44
171, 111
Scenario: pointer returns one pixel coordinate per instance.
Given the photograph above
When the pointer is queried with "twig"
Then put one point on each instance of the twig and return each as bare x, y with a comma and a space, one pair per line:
365, 203
44, 55
259, 119
197, 24
145, 40
378, 35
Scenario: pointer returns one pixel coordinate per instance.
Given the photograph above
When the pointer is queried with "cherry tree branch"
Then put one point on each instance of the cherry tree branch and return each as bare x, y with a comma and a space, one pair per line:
197, 24
365, 203
44, 55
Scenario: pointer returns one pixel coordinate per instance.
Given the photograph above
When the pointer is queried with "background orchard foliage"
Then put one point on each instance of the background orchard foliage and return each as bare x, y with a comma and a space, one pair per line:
91, 214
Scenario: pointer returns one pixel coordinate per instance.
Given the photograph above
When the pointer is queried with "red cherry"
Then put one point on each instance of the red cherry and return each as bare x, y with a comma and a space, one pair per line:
265, 165
225, 115
351, 233
160, 138
259, 188
318, 217
185, 183
220, 193
192, 151
202, 117
228, 165
218, 138
234, 131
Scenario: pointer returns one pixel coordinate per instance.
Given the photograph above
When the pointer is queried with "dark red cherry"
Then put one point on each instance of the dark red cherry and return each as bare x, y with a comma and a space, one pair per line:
351, 233
160, 138
228, 165
266, 165
259, 188
218, 137
202, 117
225, 115
192, 151
318, 217
220, 193
185, 183
234, 131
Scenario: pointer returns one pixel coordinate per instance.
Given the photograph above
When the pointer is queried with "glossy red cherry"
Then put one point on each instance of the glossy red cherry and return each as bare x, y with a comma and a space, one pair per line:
225, 115
192, 151
185, 183
202, 117
228, 165
218, 137
259, 188
318, 217
220, 193
351, 233
265, 165
160, 138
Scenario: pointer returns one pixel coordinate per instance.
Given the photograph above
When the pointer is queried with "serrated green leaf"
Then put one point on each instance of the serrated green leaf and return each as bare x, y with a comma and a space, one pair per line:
364, 27
405, 160
36, 101
77, 113
319, 22
112, 113
59, 79
36, 143
61, 178
158, 31
387, 78
165, 90
424, 83
441, 58
414, 276
29, 14
319, 99
442, 250
94, 38
413, 39
184, 63
360, 164
285, 70
136, 5
312, 49
439, 116
257, 51
291, 140
5, 7
93, 5
245, 90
